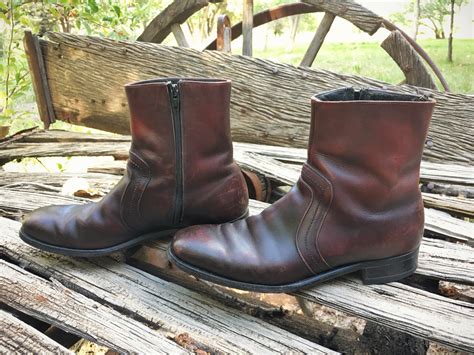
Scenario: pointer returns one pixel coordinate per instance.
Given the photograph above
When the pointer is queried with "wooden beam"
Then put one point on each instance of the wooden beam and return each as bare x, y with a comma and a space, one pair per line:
39, 79
19, 337
318, 40
353, 12
179, 35
176, 13
408, 60
270, 102
247, 27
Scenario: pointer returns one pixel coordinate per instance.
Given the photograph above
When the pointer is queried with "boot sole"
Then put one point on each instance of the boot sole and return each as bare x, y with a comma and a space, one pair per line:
371, 272
28, 239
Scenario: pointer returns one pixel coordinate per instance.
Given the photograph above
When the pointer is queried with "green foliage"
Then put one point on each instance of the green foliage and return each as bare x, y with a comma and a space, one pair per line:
116, 19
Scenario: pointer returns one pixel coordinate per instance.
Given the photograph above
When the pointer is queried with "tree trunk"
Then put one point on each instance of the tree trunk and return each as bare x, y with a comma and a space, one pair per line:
451, 30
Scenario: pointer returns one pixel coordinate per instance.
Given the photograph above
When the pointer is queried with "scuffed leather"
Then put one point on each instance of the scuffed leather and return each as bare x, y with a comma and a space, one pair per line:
357, 198
144, 199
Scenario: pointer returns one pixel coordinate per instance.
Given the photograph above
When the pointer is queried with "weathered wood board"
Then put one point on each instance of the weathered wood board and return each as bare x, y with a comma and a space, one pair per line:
270, 102
152, 302
57, 304
19, 337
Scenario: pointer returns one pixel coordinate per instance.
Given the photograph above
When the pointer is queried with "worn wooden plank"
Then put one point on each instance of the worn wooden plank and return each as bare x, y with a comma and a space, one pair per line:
457, 205
19, 337
118, 145
402, 307
442, 224
97, 181
176, 13
57, 304
318, 40
353, 12
446, 261
408, 60
38, 76
153, 301
270, 102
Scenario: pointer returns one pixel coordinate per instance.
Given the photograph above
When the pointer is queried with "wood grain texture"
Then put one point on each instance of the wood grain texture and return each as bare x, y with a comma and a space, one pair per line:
19, 338
401, 307
176, 13
456, 205
77, 144
350, 10
155, 302
57, 304
442, 224
408, 60
270, 102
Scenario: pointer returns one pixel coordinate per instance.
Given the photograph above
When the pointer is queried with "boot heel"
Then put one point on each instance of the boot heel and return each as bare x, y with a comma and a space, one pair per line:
390, 269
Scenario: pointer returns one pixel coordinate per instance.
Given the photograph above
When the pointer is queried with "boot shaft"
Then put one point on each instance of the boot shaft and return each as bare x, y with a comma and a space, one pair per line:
181, 132
368, 145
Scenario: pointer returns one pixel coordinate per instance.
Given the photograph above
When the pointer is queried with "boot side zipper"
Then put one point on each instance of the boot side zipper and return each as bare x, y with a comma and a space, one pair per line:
176, 113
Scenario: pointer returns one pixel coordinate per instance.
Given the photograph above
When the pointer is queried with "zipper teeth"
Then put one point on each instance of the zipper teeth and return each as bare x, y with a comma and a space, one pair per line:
175, 105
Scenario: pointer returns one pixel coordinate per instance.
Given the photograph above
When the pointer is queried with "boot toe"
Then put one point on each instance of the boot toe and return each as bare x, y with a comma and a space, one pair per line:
42, 226
197, 246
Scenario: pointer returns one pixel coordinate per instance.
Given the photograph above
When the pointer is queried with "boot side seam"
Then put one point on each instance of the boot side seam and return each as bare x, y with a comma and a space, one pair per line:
322, 210
298, 248
139, 182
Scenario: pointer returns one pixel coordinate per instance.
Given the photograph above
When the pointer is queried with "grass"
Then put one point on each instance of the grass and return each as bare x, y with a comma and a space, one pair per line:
369, 59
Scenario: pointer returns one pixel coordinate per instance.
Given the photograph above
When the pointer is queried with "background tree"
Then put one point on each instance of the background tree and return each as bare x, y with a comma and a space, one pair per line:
459, 3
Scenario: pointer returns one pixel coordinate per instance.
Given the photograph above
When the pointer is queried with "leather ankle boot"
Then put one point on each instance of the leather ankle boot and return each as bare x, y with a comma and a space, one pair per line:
356, 208
180, 172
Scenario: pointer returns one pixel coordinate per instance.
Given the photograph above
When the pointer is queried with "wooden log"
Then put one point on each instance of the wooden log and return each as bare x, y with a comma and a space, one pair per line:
154, 302
269, 103
57, 304
408, 60
318, 40
179, 35
247, 28
19, 337
350, 10
176, 13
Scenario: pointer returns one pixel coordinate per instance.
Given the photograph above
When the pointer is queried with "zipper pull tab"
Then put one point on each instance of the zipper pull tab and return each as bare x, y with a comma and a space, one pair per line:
175, 95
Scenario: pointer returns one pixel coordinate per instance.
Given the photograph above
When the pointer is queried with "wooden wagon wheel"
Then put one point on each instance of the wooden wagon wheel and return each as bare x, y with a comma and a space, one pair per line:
408, 55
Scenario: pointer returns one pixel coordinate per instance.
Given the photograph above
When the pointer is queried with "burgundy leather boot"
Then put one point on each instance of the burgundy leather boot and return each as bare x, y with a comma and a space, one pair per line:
356, 206
180, 172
